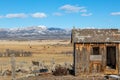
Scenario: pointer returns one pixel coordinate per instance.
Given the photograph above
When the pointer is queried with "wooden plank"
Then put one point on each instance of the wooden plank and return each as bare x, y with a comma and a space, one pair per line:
119, 57
104, 57
75, 59
102, 53
87, 58
95, 57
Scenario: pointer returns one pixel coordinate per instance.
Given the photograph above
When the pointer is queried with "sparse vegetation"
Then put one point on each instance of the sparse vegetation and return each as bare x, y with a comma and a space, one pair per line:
46, 52
60, 71
20, 53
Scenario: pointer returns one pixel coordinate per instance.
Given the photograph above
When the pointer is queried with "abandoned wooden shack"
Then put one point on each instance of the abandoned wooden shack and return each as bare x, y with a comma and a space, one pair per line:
96, 51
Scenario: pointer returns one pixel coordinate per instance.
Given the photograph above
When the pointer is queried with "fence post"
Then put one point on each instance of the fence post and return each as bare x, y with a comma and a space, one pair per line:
13, 66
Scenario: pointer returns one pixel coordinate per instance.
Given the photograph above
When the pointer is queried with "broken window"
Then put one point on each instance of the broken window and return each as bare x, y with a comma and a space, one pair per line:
96, 51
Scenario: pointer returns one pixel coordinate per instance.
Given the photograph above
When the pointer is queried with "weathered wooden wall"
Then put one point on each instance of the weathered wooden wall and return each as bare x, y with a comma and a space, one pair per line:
81, 58
82, 52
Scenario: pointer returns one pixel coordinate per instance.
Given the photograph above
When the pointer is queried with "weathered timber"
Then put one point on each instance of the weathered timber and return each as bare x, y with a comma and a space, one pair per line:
96, 50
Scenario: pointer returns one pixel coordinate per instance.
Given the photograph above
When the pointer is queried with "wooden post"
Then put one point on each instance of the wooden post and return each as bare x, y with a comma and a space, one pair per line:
119, 57
1, 70
13, 66
75, 60
104, 57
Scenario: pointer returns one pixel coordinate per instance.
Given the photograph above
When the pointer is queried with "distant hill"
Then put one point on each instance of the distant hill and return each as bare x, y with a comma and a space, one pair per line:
34, 33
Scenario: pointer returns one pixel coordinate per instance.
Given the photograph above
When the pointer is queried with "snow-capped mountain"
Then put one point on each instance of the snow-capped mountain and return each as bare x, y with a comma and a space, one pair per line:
34, 33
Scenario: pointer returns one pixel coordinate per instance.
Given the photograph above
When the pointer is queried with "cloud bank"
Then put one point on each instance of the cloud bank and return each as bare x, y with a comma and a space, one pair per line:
24, 15
39, 15
17, 15
75, 9
115, 13
72, 9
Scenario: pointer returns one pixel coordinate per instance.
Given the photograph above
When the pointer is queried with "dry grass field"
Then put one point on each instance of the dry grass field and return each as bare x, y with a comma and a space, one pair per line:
43, 50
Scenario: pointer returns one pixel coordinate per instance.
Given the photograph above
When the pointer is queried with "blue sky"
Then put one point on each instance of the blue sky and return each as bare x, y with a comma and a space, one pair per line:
60, 13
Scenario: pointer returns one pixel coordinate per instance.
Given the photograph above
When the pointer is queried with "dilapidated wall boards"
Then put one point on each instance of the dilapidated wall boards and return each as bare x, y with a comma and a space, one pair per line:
81, 58
86, 63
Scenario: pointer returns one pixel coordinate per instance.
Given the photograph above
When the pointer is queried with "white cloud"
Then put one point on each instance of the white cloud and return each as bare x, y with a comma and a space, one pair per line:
115, 14
17, 15
85, 14
72, 8
39, 15
57, 14
23, 15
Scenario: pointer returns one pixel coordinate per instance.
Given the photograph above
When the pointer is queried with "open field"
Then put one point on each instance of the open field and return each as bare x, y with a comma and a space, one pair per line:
44, 51
41, 46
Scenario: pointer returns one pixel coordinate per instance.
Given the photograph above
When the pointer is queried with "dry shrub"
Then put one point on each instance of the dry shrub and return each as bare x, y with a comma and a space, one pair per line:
60, 71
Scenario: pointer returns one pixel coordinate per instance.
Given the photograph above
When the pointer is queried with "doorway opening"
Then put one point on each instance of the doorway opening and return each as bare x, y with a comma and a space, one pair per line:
111, 57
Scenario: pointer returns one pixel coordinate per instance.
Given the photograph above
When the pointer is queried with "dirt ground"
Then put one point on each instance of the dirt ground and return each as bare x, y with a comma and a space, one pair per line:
69, 77
51, 77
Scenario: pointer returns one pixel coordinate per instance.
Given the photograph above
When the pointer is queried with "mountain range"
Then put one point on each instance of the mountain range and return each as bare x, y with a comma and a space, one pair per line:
34, 33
